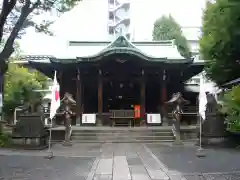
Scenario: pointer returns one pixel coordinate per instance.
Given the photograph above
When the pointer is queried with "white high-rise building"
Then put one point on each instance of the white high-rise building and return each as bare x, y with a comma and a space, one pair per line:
118, 18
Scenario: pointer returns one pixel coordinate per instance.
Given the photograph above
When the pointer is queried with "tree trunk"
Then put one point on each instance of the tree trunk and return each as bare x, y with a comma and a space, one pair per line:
8, 48
7, 7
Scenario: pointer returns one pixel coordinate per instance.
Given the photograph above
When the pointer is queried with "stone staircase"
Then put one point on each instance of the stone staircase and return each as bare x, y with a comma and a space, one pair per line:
128, 135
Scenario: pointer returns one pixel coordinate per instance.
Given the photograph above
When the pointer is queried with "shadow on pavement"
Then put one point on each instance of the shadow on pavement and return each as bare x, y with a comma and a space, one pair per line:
184, 159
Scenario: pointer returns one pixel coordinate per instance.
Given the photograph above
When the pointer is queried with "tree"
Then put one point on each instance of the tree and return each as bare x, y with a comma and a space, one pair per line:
231, 107
19, 87
166, 28
220, 43
16, 15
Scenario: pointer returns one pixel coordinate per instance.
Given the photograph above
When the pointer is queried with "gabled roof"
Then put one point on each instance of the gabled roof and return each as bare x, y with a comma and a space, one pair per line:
80, 51
232, 83
163, 51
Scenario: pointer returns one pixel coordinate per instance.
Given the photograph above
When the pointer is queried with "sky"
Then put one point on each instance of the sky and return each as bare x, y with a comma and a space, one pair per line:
87, 21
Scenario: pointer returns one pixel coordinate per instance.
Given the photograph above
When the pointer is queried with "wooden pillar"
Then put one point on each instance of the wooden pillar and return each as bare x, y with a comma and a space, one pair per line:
163, 110
60, 81
100, 100
142, 97
78, 98
164, 88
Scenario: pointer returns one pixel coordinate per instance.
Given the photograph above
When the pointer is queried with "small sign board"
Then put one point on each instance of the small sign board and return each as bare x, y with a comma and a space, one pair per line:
154, 118
88, 118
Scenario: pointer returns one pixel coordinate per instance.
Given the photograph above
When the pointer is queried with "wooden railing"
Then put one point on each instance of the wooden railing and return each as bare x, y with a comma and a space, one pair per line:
121, 114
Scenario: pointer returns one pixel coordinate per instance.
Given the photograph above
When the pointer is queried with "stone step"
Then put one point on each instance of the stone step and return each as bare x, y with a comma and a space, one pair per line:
122, 137
132, 141
121, 141
78, 133
129, 137
122, 131
126, 134
191, 141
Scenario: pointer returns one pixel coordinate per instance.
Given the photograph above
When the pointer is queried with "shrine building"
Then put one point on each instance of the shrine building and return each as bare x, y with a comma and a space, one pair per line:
110, 79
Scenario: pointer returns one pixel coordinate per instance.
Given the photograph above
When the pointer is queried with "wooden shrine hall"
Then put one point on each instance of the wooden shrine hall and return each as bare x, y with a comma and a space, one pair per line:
119, 82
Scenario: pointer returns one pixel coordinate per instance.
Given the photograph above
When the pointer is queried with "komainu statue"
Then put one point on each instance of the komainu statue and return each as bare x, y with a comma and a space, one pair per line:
178, 101
213, 127
68, 102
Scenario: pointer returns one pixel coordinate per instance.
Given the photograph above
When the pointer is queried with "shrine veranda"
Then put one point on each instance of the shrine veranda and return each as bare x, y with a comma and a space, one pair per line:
108, 79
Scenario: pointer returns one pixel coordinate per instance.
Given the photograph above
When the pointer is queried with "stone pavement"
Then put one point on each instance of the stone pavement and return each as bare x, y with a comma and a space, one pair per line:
120, 162
219, 164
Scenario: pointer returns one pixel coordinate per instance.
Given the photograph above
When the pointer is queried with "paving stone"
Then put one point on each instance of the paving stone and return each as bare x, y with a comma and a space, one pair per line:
105, 166
137, 170
120, 162
177, 177
194, 177
134, 161
38, 168
131, 154
157, 174
183, 159
140, 177
102, 177
121, 169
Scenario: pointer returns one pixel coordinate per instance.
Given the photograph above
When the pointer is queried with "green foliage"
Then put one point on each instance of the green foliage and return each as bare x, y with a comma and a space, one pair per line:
166, 28
5, 140
220, 43
231, 107
19, 87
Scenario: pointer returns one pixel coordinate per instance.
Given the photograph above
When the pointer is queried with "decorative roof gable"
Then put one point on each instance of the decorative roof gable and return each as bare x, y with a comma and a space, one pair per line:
121, 41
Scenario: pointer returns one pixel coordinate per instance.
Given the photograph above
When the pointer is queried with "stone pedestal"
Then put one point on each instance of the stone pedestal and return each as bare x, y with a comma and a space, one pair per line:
165, 121
1, 125
78, 121
177, 133
99, 121
29, 132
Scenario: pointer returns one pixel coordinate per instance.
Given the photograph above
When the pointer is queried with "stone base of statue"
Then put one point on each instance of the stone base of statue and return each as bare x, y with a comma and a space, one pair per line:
29, 133
200, 153
49, 155
68, 133
2, 123
177, 141
98, 121
165, 121
67, 143
176, 132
